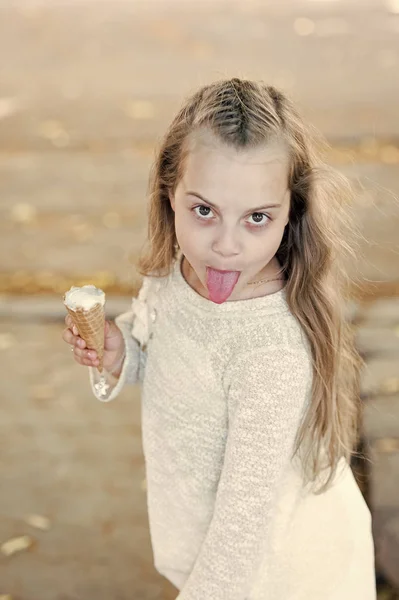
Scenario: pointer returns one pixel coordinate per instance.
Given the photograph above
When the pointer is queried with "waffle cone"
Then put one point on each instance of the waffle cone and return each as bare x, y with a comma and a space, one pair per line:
90, 325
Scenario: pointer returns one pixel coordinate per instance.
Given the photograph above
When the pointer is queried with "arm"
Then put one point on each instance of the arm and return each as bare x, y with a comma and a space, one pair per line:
132, 369
266, 399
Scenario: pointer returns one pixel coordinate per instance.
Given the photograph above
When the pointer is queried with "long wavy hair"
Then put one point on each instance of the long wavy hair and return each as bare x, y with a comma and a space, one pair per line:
318, 240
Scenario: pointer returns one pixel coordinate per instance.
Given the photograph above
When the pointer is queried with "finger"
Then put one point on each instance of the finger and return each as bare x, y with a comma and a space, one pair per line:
88, 358
68, 336
90, 363
73, 340
68, 320
77, 354
71, 325
86, 354
80, 343
90, 354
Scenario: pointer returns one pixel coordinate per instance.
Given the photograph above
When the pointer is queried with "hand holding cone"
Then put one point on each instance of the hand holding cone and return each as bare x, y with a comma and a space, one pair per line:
85, 306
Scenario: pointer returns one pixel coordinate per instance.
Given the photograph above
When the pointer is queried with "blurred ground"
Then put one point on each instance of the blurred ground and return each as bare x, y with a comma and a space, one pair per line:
86, 90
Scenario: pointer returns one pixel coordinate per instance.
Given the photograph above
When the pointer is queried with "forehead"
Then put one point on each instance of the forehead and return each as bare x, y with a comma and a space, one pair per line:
214, 168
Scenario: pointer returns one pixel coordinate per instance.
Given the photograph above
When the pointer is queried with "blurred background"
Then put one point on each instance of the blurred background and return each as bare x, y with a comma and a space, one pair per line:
87, 88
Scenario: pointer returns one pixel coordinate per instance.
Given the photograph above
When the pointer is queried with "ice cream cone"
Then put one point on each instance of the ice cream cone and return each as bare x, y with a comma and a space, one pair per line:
90, 325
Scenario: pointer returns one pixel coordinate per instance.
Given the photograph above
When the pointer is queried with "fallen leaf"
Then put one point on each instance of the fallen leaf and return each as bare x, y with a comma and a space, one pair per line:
45, 278
23, 213
332, 26
104, 279
16, 545
369, 146
390, 385
387, 445
5, 597
389, 154
140, 109
111, 220
9, 106
201, 50
51, 129
43, 392
20, 278
29, 252
38, 521
304, 26
82, 232
392, 6
7, 340
107, 527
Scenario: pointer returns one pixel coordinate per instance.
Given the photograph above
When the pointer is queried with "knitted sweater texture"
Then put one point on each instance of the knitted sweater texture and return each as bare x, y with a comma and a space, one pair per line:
224, 391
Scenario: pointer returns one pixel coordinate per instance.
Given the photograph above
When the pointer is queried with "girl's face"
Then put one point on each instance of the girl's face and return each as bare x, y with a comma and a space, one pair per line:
231, 209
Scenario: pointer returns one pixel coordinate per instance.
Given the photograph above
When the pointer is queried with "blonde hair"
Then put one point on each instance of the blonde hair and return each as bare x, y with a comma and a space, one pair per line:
316, 243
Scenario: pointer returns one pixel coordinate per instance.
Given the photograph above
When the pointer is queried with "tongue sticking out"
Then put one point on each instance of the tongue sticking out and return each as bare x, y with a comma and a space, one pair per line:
220, 285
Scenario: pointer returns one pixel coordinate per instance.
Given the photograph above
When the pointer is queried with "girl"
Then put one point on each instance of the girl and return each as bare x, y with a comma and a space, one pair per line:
250, 400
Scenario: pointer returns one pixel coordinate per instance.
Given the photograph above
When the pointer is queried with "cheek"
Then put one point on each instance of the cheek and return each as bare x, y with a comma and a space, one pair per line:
190, 228
266, 245
189, 235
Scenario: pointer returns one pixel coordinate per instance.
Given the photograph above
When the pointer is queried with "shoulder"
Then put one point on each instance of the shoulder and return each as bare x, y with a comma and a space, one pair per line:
259, 332
145, 307
277, 365
149, 291
270, 386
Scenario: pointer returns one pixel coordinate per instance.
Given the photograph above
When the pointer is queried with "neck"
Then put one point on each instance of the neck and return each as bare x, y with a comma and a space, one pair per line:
271, 271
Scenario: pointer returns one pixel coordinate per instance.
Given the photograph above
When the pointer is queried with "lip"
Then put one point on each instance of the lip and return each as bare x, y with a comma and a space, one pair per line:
223, 271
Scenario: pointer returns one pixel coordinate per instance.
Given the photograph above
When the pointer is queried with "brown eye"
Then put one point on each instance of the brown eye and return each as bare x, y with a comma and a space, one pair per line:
260, 223
203, 208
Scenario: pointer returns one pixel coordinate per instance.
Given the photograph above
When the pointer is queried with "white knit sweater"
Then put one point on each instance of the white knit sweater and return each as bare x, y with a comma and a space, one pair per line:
224, 389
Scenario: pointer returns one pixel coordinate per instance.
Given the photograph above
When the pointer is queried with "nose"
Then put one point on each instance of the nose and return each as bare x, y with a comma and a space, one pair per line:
226, 245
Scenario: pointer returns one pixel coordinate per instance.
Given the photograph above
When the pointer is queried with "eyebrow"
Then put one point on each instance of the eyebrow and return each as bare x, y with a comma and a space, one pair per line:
217, 208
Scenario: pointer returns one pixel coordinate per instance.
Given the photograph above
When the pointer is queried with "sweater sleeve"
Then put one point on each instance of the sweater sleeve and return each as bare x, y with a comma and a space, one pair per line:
133, 366
267, 396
